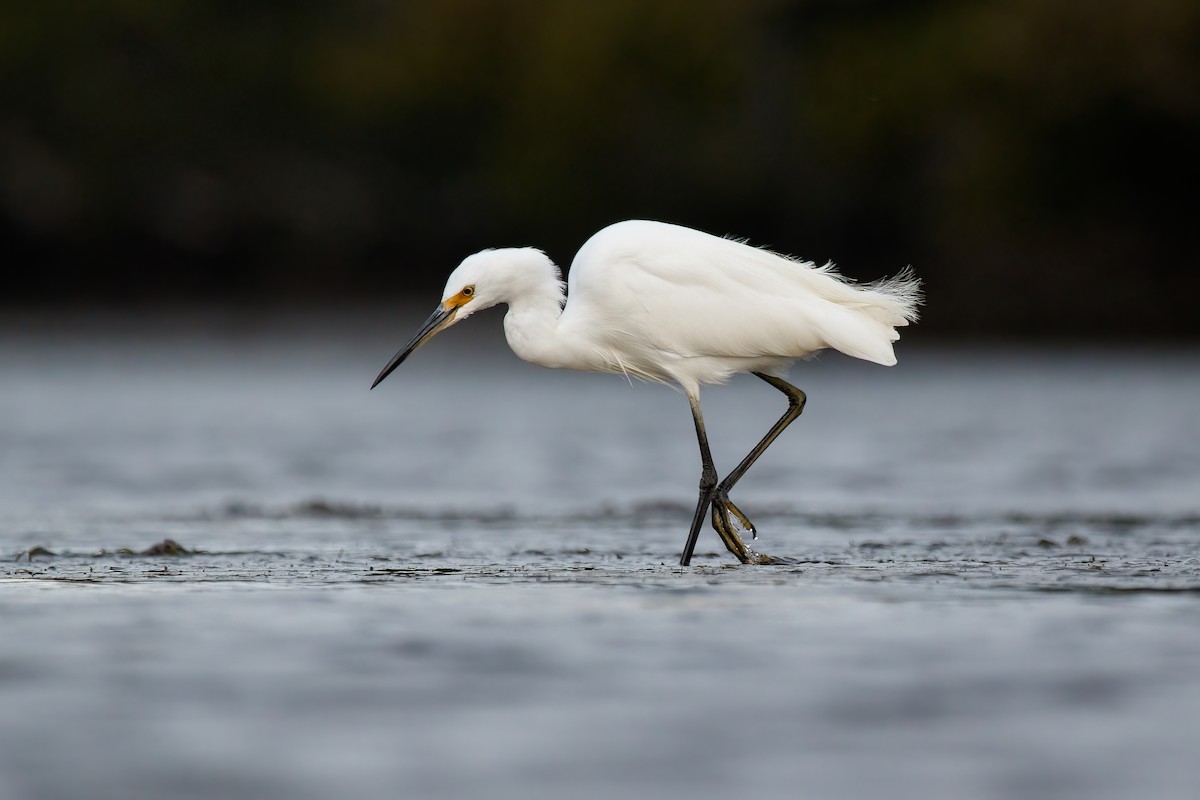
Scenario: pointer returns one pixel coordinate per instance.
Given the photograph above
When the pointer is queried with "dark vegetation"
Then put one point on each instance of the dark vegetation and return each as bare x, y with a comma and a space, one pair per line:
1036, 160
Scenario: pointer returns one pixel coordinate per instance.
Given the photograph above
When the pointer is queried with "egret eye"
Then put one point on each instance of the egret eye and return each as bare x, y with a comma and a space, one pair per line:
467, 292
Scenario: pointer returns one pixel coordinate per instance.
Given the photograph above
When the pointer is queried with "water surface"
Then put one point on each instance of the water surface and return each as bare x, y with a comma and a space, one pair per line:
464, 582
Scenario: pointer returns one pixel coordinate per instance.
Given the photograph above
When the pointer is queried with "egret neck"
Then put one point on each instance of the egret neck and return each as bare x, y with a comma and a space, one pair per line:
534, 312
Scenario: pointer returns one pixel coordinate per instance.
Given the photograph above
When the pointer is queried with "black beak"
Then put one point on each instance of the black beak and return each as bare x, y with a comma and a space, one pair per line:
443, 317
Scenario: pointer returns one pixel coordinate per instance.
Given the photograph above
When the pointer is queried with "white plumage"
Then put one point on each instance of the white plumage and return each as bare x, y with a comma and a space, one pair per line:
667, 303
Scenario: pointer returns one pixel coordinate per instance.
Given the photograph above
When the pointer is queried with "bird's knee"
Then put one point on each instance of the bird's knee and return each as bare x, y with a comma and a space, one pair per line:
708, 480
797, 401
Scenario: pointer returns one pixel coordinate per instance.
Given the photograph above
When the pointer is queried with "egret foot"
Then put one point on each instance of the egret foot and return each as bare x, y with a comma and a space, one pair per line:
743, 521
723, 514
724, 528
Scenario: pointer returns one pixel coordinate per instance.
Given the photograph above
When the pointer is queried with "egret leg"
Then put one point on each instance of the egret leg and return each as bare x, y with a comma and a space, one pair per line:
721, 504
708, 482
708, 492
796, 401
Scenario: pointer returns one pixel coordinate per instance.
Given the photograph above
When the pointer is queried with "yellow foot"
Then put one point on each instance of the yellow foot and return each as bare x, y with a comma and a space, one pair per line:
722, 509
731, 509
763, 558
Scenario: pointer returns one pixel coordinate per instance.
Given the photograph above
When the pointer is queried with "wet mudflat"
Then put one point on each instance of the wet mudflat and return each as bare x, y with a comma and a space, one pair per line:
227, 569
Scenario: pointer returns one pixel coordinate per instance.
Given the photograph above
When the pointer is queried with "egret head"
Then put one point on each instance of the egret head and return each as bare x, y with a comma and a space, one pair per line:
481, 281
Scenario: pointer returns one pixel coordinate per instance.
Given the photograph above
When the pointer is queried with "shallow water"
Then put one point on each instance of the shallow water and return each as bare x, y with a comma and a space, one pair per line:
464, 582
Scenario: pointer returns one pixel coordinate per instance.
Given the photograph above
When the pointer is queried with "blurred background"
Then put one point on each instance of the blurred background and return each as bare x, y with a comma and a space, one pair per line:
1035, 160
218, 220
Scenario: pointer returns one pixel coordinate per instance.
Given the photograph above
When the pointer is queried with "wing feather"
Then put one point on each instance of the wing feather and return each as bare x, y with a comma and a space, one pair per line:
693, 295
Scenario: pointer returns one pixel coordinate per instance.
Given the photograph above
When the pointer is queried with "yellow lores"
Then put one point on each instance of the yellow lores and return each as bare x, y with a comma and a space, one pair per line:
462, 298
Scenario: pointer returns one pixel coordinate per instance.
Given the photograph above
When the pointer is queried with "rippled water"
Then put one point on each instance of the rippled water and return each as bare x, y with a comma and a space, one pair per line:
464, 582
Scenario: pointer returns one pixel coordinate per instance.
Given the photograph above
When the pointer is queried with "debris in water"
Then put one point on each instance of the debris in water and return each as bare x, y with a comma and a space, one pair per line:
167, 547
34, 551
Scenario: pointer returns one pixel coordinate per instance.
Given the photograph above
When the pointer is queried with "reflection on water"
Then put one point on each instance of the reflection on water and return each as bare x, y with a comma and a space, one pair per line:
463, 583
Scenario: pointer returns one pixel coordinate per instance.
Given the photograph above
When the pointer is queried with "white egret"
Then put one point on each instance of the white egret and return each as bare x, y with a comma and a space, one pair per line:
671, 304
